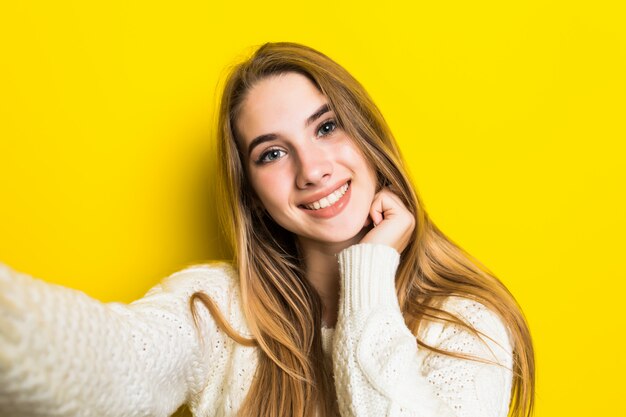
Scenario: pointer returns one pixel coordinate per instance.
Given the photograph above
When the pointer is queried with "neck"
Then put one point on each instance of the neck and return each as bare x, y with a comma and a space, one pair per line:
322, 271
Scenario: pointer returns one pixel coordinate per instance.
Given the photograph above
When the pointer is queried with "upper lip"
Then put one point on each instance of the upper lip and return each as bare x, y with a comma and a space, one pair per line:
324, 193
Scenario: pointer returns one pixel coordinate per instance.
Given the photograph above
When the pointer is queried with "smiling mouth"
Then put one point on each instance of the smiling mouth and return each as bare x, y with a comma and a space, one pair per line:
329, 200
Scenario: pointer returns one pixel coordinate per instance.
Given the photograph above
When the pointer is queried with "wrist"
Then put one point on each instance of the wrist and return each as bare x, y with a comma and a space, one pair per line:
367, 276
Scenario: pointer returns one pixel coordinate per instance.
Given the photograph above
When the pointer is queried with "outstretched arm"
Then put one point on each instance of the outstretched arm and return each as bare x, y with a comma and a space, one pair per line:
378, 368
63, 353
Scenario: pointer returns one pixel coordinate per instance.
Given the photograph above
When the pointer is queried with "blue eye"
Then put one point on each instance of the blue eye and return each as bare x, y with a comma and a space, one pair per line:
326, 128
270, 155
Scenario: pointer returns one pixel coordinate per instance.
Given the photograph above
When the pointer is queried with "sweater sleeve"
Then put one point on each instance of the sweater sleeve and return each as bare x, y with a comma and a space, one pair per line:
63, 353
379, 370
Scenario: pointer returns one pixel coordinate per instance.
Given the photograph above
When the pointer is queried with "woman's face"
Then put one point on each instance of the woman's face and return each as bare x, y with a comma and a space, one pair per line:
305, 170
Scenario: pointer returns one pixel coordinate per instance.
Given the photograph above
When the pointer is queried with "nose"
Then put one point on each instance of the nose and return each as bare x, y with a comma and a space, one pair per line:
314, 166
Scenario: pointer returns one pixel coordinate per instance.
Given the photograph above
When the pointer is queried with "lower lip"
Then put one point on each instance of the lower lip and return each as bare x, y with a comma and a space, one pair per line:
331, 211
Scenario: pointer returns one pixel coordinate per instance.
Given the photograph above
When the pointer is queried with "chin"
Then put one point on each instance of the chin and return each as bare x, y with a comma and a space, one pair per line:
344, 234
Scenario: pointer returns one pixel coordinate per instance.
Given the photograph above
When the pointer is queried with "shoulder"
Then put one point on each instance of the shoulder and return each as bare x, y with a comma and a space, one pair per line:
218, 280
493, 342
206, 277
475, 313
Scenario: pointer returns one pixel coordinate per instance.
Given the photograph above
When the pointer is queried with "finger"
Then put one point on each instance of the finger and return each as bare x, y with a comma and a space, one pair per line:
387, 206
393, 196
394, 203
376, 210
397, 199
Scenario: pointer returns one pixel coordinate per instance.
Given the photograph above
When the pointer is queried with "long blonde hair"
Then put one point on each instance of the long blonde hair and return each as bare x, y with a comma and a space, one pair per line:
282, 309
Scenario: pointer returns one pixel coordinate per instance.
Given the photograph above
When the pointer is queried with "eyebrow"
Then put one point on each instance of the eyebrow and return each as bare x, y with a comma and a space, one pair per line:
271, 136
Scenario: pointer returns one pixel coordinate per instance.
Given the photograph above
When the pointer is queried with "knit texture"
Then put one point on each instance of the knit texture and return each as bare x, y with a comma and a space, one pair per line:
63, 353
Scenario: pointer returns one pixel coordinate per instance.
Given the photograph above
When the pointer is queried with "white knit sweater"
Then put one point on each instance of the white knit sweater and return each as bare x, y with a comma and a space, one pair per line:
63, 353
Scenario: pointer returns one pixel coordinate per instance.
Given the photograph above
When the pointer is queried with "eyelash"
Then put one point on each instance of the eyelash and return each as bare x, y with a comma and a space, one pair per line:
329, 121
262, 158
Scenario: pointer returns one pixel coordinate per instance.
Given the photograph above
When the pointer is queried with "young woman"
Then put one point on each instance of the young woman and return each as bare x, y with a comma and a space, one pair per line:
343, 297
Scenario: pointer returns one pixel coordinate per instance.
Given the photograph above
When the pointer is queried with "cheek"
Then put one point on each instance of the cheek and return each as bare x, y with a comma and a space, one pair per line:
356, 161
270, 188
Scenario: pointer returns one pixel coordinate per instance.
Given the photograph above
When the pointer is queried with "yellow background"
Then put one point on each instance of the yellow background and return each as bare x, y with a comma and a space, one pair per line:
511, 115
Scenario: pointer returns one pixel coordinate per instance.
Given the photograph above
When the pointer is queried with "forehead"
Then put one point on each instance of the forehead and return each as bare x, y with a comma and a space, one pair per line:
277, 104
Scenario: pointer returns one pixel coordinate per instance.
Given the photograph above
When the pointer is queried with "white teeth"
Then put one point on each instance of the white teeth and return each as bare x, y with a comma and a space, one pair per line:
329, 200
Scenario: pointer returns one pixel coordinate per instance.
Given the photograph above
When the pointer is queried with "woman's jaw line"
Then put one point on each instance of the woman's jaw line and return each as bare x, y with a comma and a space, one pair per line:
330, 248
